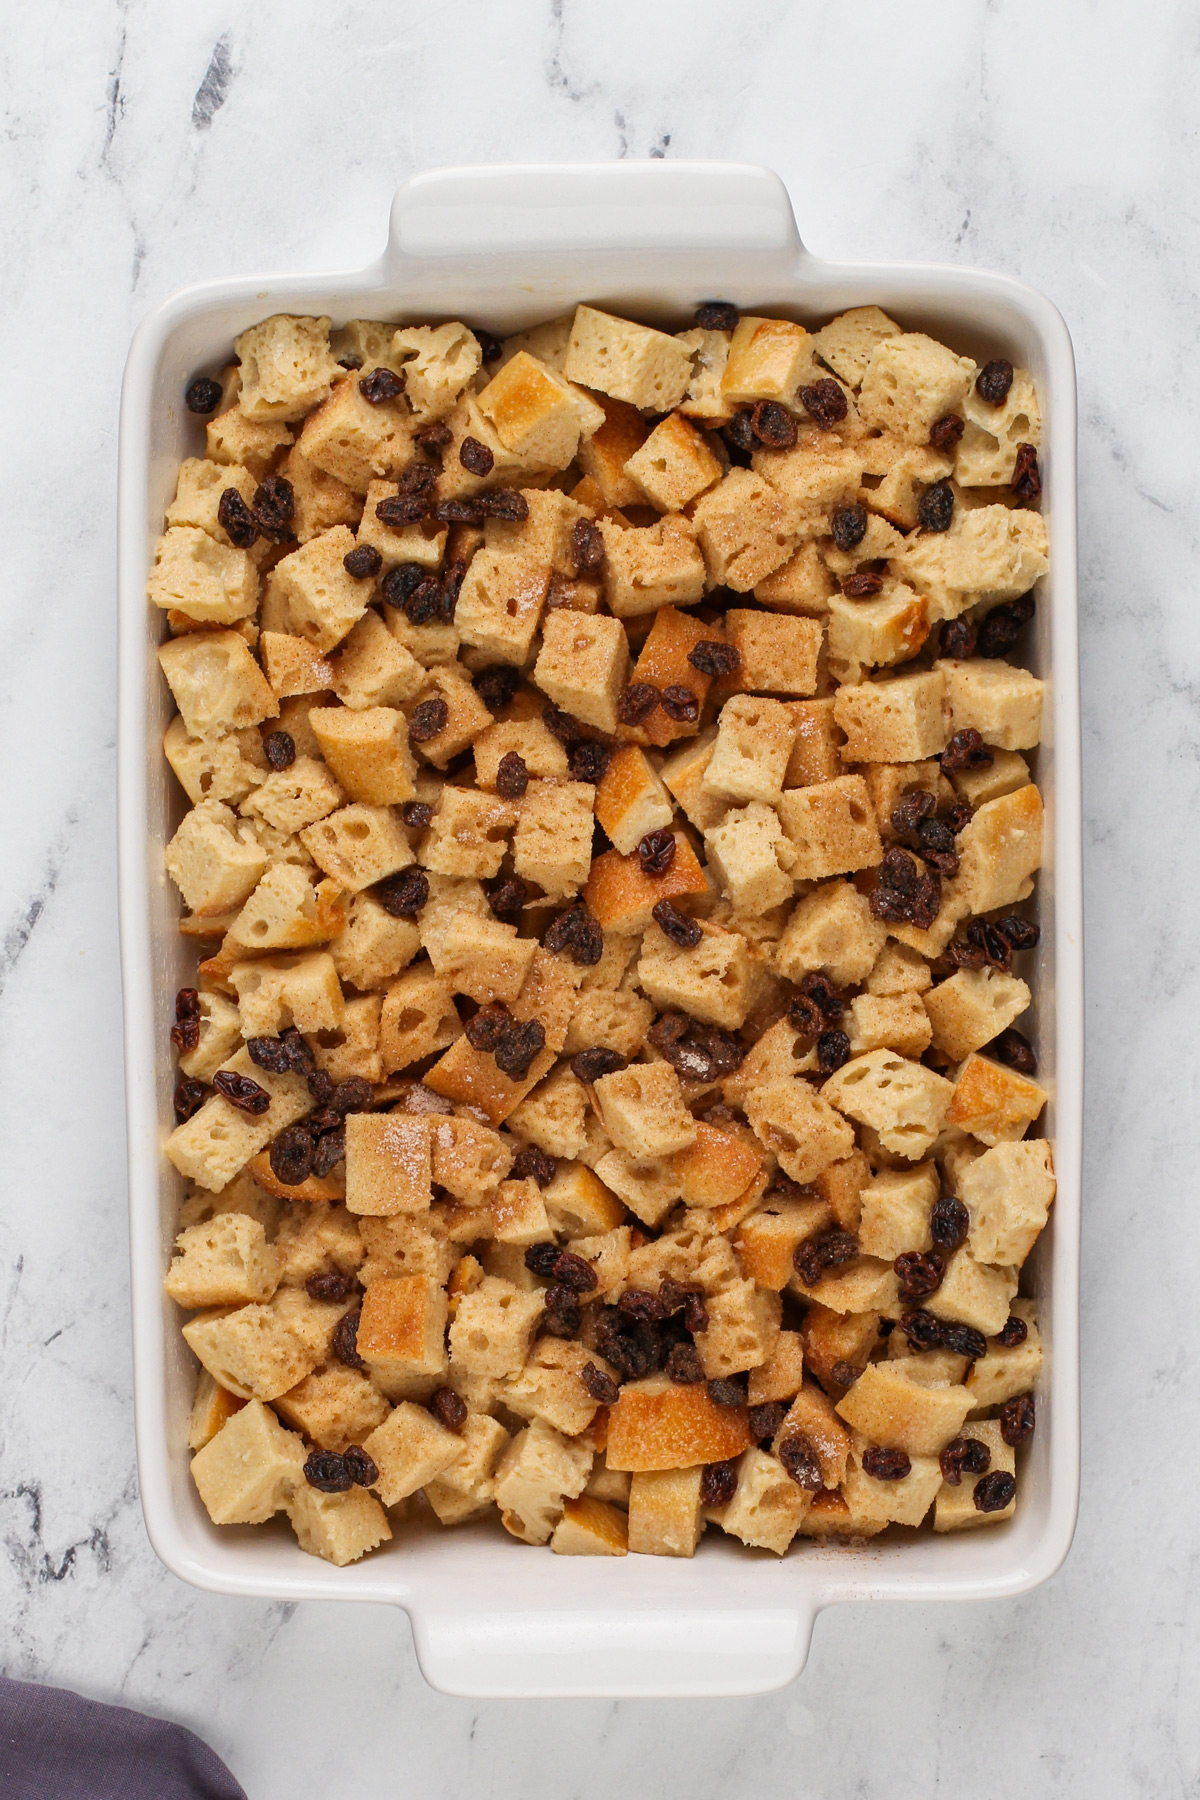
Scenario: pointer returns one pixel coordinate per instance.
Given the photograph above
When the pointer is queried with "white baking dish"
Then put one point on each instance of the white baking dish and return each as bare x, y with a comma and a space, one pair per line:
504, 247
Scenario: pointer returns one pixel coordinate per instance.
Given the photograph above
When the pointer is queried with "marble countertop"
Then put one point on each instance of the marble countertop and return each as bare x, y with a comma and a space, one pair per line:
145, 147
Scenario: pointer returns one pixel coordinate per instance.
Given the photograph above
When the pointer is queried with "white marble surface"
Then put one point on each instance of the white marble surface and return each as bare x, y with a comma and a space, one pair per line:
146, 146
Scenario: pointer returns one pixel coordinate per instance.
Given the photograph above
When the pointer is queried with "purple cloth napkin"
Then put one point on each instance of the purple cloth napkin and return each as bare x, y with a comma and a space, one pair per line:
56, 1746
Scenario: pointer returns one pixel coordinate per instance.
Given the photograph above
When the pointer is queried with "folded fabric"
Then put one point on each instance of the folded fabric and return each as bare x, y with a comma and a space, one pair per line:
54, 1745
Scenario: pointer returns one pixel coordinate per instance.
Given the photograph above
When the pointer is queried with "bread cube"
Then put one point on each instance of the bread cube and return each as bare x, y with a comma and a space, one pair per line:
972, 1293
956, 1509
368, 751
972, 1007
1006, 1371
211, 1408
889, 1022
766, 1239
550, 1386
216, 683
319, 500
872, 634
900, 470
312, 1236
880, 540
554, 1115
334, 1408
899, 970
293, 665
816, 476
423, 543
831, 827
409, 1245
643, 1111
409, 1449
277, 991
848, 342
1007, 1191
987, 451
247, 1471
768, 1507
466, 715
590, 1527
339, 1528
1002, 703
751, 857
493, 1327
401, 1334
358, 442
779, 1378
812, 1414
663, 663
237, 441
218, 768
533, 411
750, 757
683, 775
649, 566
900, 719
746, 530
291, 798
518, 1214
578, 1205
194, 574
286, 367
895, 1211
631, 799
911, 382
470, 1078
358, 846
603, 455
537, 747
648, 1188
816, 746
437, 361
664, 1512
468, 835
469, 1159
372, 669
552, 843
674, 465
992, 1102
657, 1424
743, 1323
213, 860
547, 342
260, 1351
831, 1337
767, 358
1000, 848
631, 362
991, 552
903, 1101
218, 1040
373, 947
890, 1408
802, 584
889, 783
865, 1286
500, 603
224, 1262
583, 666
904, 1502
539, 1470
198, 493
777, 1055
465, 1489
799, 1126
484, 958
779, 654
323, 600
219, 1139
1003, 775
353, 1049
841, 1187
709, 351
715, 981
389, 1165
716, 1167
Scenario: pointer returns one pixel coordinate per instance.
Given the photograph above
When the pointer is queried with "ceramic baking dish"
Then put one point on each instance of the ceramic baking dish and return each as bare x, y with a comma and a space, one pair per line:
505, 247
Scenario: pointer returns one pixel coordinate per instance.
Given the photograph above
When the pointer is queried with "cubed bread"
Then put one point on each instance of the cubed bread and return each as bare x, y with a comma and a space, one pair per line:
911, 382
714, 981
538, 748
389, 1163
418, 1017
334, 1407
423, 543
622, 896
631, 362
500, 603
799, 1126
219, 1140
194, 574
716, 1167
1007, 1369
974, 1293
751, 858
674, 465
766, 360
993, 1102
322, 598
1002, 703
554, 1115
848, 342
831, 931
779, 654
895, 1211
359, 845
891, 1409
768, 1507
830, 1337
236, 440
372, 947
803, 584
368, 751
1003, 775
218, 768
410, 1448
286, 367
603, 455
891, 1022
743, 1324
291, 798
870, 634
216, 683
831, 827
319, 500
778, 1378
469, 833
746, 529
766, 1240
956, 1509
665, 1518
902, 718
658, 1424
437, 361
552, 843
277, 991
631, 800
465, 1489
590, 1527
583, 665
539, 1471
1007, 1191
753, 745
261, 1350
579, 1205
1000, 849
899, 970
470, 1077
214, 861
813, 1416
987, 451
493, 1327
248, 1470
373, 669
339, 1528
550, 1386
906, 1103
992, 552
903, 1502
972, 1007
484, 958
533, 411
226, 1261
643, 1111
358, 442
816, 746
401, 1333
649, 566
212, 1407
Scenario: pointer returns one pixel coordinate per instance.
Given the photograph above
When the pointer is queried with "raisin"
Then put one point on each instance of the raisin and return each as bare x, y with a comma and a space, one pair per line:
354, 1094
695, 1314
717, 315
562, 1318
407, 507
639, 1303
899, 872
833, 1049
518, 1048
490, 347
185, 1032
936, 507
331, 1148
599, 1385
819, 988
417, 815
958, 639
946, 431
496, 685
959, 816
326, 1470
587, 547
994, 1492
1014, 1048
505, 503
362, 562
236, 520
578, 933
801, 1462
964, 1456
656, 852
329, 1284
773, 425
512, 776
575, 1272
920, 1272
963, 1340
994, 380
241, 1092
825, 402
935, 842
541, 1258
344, 1342
187, 1100
203, 395
814, 1255
399, 583
914, 805
683, 1365
360, 1466
718, 1484
886, 1465
637, 703
532, 1163
844, 1374
1015, 1332
1027, 477
435, 439
966, 750
984, 938
424, 604
949, 1223
1021, 934
280, 749
961, 953
560, 724
765, 1420
679, 703
300, 1057
380, 385
676, 1294
404, 894
859, 585
714, 658
350, 361
460, 511
485, 1029
1018, 1417
475, 457
740, 430
589, 760
922, 1330
429, 719
805, 1017
681, 930
590, 1065
506, 896
849, 527
292, 1155
273, 506
727, 1393
1003, 626
448, 1408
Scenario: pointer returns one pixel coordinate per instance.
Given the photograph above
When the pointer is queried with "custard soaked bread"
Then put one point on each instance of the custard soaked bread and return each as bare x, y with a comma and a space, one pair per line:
603, 1102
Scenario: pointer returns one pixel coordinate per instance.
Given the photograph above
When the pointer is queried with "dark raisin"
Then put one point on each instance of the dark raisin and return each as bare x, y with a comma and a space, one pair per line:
300, 1057
828, 997
844, 1374
994, 1492
185, 1032
679, 703
899, 872
1022, 934
599, 1385
532, 1163
241, 1092
460, 511
886, 1465
429, 719
452, 580
981, 934
380, 385
273, 506
849, 527
350, 361
475, 457
505, 503
490, 347
331, 1148
562, 1317
578, 933
1014, 1048
727, 1393
399, 583
523, 1041
203, 395
825, 402
695, 1314
560, 724
424, 604
922, 1330
1014, 1333
936, 507
963, 1340
833, 1049
326, 1470
800, 1460
962, 953
639, 1303
765, 1420
417, 815
805, 1017
496, 685
914, 805
1027, 477
486, 1029
188, 1099
717, 315
575, 1272
964, 1456
740, 430
862, 584
506, 896
681, 930
949, 1223
589, 760
656, 852
448, 1408
541, 1258
773, 425
927, 900
1018, 1417
329, 1284
637, 703
587, 547
714, 658
718, 1484
407, 507
236, 520
404, 894
959, 816
921, 1273
966, 750
280, 749
292, 1155
676, 1294
1003, 626
946, 431
683, 1365
352, 1095
362, 562
994, 380
324, 1119
590, 1065
935, 842
360, 1466
344, 1342
512, 776
435, 439
890, 905
958, 639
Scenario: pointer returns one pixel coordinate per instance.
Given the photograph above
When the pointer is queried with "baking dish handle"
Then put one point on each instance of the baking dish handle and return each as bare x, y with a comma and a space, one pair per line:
534, 211
653, 1652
